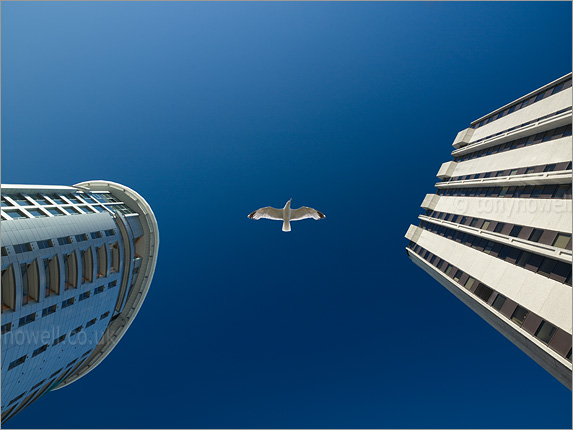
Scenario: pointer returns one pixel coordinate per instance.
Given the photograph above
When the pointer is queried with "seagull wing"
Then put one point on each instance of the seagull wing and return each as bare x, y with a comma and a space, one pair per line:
268, 212
304, 213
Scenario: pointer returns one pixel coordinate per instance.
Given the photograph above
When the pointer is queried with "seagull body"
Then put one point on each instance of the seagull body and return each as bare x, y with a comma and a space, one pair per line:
286, 214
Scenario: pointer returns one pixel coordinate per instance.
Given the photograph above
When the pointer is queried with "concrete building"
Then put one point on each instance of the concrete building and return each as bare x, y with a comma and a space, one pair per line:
497, 232
77, 263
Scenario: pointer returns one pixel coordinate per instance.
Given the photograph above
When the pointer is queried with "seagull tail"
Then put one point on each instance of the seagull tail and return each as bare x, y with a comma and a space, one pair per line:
286, 225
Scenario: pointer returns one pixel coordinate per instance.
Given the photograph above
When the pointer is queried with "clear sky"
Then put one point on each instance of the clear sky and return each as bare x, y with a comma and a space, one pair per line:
213, 110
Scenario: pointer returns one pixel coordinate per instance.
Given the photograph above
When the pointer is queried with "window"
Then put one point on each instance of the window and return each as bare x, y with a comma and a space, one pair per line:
6, 328
81, 237
84, 296
64, 240
87, 265
515, 231
15, 214
23, 247
549, 168
110, 232
8, 289
68, 302
74, 332
458, 275
498, 302
98, 290
104, 315
55, 212
112, 284
562, 240
114, 257
483, 292
49, 310
91, 322
101, 254
43, 244
499, 227
52, 276
545, 331
30, 282
37, 213
70, 271
485, 225
95, 235
469, 282
39, 350
535, 235
17, 362
519, 315
546, 267
27, 319
59, 340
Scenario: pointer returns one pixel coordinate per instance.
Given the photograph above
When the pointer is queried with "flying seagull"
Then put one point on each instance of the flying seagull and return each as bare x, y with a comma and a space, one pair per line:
286, 214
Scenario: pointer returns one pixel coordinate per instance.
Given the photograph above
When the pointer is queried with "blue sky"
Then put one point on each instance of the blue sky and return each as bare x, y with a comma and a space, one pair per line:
212, 110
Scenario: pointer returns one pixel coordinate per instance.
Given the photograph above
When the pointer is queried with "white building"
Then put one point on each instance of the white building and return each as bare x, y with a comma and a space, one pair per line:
497, 232
77, 263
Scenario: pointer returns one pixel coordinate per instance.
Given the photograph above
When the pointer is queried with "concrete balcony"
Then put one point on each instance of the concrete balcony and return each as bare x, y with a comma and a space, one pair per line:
463, 138
447, 170
430, 201
413, 233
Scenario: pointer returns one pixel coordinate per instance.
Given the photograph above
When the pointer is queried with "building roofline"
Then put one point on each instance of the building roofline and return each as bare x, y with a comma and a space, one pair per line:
520, 99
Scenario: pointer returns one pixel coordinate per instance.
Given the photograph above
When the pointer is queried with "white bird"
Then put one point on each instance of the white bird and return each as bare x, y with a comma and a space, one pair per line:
286, 214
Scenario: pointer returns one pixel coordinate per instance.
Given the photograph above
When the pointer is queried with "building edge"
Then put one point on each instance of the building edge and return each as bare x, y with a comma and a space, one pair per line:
147, 249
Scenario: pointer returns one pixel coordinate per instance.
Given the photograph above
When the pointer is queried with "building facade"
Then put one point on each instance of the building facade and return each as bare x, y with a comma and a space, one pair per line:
77, 262
497, 231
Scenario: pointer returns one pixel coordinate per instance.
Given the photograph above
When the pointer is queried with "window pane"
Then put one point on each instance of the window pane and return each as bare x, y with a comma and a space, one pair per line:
498, 302
519, 315
545, 331
562, 240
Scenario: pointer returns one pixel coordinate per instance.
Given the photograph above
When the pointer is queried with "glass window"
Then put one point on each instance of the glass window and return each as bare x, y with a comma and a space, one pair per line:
43, 244
56, 198
562, 240
15, 214
101, 255
109, 232
498, 302
39, 350
98, 290
545, 331
470, 281
36, 213
483, 292
49, 310
485, 225
55, 211
85, 295
515, 231
104, 315
17, 362
499, 227
68, 302
70, 270
114, 257
64, 240
40, 199
30, 282
89, 324
535, 235
95, 235
27, 319
519, 315
81, 237
59, 340
8, 289
546, 267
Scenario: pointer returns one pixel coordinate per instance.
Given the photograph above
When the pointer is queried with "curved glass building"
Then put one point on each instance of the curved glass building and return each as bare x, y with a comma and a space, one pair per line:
77, 263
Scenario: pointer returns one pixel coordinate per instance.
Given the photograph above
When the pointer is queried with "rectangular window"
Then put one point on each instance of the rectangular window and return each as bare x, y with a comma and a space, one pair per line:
59, 340
8, 289
39, 350
17, 362
52, 276
562, 240
545, 331
87, 265
515, 231
84, 296
91, 322
36, 213
112, 284
110, 232
43, 244
6, 328
483, 292
81, 237
30, 282
66, 240
114, 257
55, 212
23, 247
104, 315
519, 315
68, 302
27, 319
70, 271
95, 234
498, 302
76, 331
470, 281
101, 254
49, 310
98, 290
